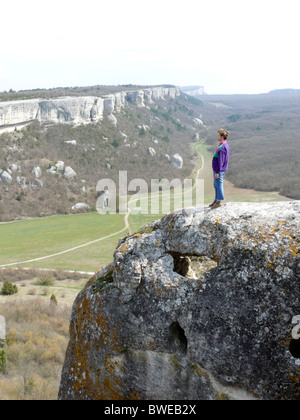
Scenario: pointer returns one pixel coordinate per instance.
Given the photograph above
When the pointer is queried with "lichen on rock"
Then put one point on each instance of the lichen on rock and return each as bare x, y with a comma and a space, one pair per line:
144, 328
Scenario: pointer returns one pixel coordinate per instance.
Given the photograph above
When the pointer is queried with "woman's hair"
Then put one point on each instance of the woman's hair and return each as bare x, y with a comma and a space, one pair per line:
224, 133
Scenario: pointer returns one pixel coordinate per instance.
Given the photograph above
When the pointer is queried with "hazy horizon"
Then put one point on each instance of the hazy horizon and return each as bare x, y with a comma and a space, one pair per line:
228, 47
134, 84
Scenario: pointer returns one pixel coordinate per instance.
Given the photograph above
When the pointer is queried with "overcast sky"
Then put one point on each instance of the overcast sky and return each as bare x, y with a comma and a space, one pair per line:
229, 46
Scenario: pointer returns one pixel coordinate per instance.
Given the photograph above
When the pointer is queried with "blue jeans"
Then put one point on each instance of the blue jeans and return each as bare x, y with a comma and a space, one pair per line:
219, 188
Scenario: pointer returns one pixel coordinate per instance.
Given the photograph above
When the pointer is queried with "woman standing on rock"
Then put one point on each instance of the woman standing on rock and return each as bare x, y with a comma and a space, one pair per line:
220, 165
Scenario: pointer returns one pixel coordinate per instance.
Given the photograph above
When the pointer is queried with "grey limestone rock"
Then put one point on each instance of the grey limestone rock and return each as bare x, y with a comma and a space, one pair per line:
177, 161
143, 328
69, 173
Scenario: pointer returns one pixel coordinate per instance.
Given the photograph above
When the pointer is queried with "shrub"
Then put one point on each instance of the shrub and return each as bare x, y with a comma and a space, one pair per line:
53, 299
46, 280
234, 118
116, 143
166, 139
9, 289
142, 132
31, 292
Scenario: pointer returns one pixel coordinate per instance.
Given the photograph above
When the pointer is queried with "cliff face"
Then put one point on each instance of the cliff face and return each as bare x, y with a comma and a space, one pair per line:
146, 327
78, 110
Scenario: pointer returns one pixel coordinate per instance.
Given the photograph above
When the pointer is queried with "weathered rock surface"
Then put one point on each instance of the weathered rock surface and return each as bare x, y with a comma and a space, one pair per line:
167, 157
21, 180
76, 110
151, 151
13, 167
81, 206
36, 172
141, 330
52, 170
137, 98
69, 173
198, 122
60, 166
177, 161
5, 177
38, 183
71, 142
112, 119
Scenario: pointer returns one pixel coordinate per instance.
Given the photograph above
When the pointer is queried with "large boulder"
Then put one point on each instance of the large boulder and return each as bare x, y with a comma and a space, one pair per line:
52, 170
60, 166
167, 157
21, 180
13, 167
36, 172
69, 173
144, 328
198, 122
71, 142
112, 119
38, 183
80, 206
177, 161
151, 152
5, 177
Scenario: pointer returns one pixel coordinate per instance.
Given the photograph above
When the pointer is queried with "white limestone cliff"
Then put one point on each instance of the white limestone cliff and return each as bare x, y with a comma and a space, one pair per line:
77, 110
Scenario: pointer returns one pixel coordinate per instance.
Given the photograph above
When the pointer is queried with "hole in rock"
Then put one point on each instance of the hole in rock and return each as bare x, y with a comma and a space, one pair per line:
177, 339
191, 266
295, 348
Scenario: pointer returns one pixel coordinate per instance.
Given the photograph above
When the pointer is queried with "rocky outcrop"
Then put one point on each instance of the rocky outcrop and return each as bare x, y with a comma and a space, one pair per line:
193, 90
60, 166
77, 110
177, 161
36, 172
198, 122
151, 152
13, 167
80, 206
71, 142
69, 173
112, 119
5, 177
38, 183
145, 328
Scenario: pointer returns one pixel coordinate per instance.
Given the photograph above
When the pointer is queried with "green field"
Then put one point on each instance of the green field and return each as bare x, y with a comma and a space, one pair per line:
35, 238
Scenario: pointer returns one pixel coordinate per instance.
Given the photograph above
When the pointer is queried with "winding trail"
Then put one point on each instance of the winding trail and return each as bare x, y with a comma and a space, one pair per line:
127, 227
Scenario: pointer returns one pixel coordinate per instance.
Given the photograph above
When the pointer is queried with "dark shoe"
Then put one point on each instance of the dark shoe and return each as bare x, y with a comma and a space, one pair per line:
212, 204
216, 206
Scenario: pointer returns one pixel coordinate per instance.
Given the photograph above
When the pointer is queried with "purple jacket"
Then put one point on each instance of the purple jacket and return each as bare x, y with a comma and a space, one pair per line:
221, 158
